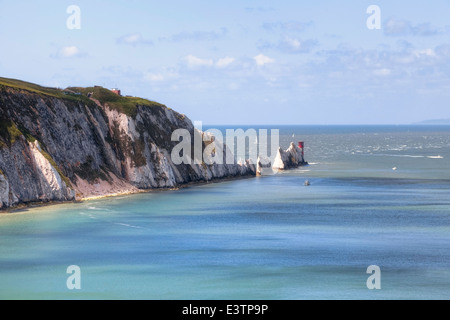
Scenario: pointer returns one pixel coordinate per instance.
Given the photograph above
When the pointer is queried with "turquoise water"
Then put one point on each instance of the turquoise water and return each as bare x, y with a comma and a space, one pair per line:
260, 238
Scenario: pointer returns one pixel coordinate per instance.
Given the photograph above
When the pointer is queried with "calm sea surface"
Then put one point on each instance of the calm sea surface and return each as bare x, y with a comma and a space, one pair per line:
260, 238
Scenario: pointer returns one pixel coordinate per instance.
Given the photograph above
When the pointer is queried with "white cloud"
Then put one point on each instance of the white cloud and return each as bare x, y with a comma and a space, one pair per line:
397, 27
289, 45
133, 39
224, 62
262, 60
425, 52
69, 51
194, 62
417, 55
294, 43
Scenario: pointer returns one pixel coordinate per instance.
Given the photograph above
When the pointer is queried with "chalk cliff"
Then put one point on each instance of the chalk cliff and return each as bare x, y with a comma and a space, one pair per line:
61, 145
289, 159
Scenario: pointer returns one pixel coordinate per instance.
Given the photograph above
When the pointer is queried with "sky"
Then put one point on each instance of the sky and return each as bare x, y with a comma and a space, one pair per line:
243, 62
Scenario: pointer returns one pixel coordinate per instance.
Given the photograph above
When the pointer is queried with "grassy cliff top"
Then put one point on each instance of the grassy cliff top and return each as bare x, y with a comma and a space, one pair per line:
18, 84
122, 104
126, 105
35, 88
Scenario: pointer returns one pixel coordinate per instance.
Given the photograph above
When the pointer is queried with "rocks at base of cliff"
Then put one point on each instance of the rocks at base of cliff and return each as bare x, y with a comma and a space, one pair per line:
284, 160
289, 159
7, 198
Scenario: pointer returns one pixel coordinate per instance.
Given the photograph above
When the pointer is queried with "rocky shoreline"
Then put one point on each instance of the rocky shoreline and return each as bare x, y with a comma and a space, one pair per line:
25, 206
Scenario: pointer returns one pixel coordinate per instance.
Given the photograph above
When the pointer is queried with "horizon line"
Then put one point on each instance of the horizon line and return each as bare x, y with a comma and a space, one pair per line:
333, 124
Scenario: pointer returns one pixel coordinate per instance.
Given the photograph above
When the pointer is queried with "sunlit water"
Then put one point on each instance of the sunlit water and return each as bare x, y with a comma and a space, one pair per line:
259, 238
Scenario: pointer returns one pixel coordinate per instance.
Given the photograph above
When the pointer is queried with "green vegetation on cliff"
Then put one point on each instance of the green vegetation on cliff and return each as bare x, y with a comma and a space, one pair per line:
126, 105
34, 88
8, 132
18, 84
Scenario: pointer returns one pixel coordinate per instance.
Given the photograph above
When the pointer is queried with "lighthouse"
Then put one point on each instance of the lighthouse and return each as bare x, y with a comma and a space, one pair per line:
301, 145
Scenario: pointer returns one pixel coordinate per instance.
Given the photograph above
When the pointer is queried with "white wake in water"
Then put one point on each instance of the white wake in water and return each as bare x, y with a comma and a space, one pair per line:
127, 225
87, 215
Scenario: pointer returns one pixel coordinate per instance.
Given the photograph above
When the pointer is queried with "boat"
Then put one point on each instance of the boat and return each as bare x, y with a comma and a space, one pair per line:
307, 183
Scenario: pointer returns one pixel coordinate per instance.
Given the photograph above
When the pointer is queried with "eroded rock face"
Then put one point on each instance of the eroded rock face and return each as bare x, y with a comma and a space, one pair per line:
28, 176
289, 159
6, 198
62, 149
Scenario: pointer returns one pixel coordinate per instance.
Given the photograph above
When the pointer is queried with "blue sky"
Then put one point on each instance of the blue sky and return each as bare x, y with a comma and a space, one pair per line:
243, 62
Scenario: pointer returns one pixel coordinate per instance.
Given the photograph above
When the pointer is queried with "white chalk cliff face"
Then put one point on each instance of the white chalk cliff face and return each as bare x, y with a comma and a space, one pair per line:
57, 149
50, 181
44, 184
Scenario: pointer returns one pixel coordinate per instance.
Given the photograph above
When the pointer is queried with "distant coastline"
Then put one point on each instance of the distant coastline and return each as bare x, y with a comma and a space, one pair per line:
434, 122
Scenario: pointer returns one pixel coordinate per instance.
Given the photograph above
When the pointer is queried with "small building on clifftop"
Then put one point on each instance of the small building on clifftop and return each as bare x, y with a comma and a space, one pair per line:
116, 91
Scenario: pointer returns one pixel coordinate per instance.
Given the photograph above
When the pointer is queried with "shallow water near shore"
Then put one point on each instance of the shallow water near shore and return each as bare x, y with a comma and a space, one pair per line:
264, 238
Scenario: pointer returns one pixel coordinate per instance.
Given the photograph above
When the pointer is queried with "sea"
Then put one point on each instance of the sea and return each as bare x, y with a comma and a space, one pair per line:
378, 196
